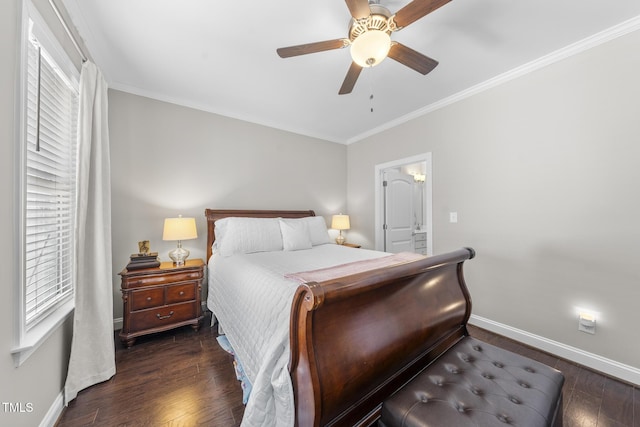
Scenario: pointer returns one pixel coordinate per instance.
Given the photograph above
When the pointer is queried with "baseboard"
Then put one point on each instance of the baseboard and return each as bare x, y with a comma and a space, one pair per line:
117, 323
609, 367
51, 417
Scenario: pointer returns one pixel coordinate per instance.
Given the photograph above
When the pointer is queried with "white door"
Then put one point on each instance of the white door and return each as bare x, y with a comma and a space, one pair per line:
398, 211
419, 163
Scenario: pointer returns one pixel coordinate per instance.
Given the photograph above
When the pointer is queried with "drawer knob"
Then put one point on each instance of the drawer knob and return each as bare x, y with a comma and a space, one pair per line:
181, 293
164, 317
148, 298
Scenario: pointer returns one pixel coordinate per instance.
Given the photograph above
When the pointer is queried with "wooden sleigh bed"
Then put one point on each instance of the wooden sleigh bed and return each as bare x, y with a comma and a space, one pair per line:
357, 339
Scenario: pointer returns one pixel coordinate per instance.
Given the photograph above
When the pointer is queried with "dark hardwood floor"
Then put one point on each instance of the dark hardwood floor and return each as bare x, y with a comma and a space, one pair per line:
175, 378
183, 378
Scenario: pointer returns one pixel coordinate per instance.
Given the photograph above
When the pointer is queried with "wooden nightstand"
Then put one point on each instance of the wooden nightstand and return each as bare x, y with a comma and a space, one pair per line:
162, 298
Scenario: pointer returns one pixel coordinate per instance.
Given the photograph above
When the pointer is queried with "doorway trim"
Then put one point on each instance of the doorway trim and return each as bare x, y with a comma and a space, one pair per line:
428, 196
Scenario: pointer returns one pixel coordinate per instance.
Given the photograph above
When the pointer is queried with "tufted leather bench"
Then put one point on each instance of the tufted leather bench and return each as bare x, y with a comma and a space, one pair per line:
477, 384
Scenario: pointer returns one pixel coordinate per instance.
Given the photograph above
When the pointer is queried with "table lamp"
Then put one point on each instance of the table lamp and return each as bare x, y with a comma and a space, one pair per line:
179, 229
340, 222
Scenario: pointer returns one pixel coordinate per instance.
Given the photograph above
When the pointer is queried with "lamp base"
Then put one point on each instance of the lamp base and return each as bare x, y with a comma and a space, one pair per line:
340, 239
179, 255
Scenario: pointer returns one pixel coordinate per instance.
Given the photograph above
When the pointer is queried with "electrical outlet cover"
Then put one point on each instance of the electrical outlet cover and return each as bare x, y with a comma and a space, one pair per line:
587, 325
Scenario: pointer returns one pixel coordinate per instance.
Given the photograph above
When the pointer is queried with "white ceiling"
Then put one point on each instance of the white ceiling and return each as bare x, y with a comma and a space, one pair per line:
220, 56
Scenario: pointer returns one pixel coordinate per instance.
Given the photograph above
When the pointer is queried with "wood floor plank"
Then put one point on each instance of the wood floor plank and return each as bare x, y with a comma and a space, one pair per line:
617, 402
591, 382
582, 410
571, 373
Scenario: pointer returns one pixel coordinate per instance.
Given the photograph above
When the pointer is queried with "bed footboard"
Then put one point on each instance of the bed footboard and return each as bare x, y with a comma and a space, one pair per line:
357, 339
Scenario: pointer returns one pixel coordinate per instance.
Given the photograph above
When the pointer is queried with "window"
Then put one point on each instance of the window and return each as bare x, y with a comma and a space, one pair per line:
48, 184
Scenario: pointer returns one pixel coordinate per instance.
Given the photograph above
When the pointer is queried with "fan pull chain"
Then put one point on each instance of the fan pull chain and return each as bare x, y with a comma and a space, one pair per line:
371, 87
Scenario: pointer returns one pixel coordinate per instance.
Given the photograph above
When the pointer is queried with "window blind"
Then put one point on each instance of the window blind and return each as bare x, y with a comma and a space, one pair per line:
51, 135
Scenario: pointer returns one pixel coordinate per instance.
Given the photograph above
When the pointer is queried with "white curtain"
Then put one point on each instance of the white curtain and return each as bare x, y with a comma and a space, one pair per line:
92, 357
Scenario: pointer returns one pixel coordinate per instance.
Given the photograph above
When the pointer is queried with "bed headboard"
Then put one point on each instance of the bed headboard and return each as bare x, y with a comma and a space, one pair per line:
215, 214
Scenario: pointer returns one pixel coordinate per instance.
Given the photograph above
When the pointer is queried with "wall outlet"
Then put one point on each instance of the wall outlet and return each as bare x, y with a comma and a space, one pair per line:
587, 323
453, 217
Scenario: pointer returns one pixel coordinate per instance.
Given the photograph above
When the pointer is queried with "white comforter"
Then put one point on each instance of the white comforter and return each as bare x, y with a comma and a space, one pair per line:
251, 299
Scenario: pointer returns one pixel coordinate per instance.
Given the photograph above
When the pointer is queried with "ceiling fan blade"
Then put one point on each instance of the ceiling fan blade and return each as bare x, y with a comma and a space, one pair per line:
303, 49
359, 8
412, 59
416, 10
350, 79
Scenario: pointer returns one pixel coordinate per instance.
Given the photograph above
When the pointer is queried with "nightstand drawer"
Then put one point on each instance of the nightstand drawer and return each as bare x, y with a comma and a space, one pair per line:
147, 298
419, 244
161, 279
181, 293
163, 316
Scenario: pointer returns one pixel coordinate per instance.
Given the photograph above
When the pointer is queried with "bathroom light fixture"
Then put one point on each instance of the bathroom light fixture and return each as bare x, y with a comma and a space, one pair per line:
340, 222
179, 229
419, 177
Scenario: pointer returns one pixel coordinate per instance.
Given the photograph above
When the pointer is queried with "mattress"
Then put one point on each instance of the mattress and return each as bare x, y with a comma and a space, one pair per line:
251, 299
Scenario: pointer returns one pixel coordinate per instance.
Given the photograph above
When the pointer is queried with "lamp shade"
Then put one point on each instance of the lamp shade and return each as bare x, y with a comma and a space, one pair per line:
340, 222
179, 229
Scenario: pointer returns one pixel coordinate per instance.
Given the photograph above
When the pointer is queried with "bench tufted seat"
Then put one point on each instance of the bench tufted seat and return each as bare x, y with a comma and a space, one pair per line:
477, 384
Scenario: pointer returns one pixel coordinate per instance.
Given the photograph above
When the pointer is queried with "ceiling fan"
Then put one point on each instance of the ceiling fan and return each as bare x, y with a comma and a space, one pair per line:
370, 38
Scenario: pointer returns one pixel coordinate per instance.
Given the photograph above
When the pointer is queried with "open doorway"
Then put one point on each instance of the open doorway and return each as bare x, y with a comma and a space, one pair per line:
403, 216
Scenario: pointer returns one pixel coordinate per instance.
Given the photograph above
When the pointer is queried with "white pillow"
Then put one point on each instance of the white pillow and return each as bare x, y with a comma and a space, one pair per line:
219, 229
240, 235
317, 230
295, 234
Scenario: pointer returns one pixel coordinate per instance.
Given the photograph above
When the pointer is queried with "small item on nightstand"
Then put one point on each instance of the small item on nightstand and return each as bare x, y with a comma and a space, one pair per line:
139, 261
352, 245
143, 247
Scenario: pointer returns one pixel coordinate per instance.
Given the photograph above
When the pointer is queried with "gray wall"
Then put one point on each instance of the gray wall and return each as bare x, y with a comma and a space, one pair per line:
543, 172
169, 160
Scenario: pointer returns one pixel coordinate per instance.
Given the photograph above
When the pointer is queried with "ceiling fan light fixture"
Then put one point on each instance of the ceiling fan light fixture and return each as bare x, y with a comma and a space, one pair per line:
370, 48
370, 30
